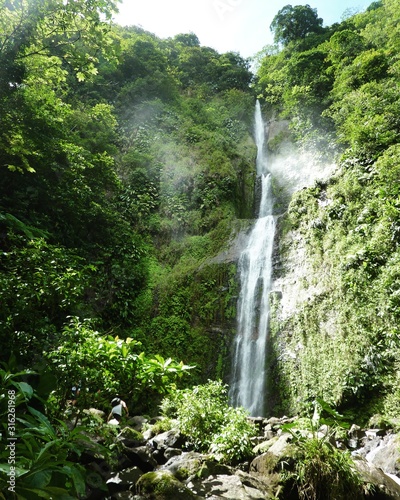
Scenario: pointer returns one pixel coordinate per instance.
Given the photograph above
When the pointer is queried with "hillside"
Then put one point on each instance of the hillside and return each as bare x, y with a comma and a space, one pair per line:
339, 89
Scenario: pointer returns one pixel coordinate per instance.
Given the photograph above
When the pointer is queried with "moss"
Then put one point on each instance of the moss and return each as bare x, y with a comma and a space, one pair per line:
352, 308
162, 485
162, 425
195, 308
245, 190
131, 434
182, 473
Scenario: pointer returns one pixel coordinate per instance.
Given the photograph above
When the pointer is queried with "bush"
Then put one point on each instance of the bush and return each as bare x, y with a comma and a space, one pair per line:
104, 366
322, 471
233, 440
162, 425
209, 423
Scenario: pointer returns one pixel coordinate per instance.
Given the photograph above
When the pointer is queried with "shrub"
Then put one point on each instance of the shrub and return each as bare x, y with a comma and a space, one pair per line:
162, 425
109, 365
233, 440
322, 471
209, 423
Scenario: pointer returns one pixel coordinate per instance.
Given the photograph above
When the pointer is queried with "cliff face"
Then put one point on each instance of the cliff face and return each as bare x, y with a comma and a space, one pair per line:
333, 329
294, 277
293, 171
298, 336
303, 323
300, 283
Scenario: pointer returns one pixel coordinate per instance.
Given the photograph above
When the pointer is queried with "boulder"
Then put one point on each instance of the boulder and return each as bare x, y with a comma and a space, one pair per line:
264, 464
264, 446
136, 422
278, 448
240, 486
140, 456
386, 455
95, 413
130, 437
123, 480
185, 465
168, 439
385, 486
172, 452
272, 421
164, 485
95, 484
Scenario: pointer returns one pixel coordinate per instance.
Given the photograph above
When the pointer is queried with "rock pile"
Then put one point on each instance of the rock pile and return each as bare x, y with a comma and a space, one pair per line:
161, 467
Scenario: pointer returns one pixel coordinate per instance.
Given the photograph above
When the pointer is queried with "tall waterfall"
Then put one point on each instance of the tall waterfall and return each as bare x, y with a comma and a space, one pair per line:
248, 384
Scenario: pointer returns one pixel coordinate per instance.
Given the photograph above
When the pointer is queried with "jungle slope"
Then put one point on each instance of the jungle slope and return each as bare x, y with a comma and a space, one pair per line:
339, 240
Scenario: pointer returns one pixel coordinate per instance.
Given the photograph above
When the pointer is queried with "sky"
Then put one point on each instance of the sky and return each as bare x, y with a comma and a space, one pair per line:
225, 25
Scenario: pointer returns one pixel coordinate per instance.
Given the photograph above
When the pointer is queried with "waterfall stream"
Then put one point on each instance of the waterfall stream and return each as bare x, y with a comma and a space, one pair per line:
248, 383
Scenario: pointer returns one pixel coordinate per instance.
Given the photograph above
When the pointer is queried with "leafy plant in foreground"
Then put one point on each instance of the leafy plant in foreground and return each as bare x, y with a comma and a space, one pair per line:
232, 442
38, 463
324, 472
104, 366
321, 471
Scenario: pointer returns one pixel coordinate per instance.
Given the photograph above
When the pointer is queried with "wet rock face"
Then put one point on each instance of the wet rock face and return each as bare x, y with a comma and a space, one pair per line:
293, 273
378, 457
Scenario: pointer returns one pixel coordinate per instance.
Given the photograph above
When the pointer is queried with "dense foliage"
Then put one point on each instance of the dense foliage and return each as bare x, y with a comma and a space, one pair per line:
127, 163
341, 87
124, 161
41, 458
209, 424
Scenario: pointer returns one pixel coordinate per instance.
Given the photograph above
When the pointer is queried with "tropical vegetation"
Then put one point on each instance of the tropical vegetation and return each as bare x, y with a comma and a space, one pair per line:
127, 167
339, 85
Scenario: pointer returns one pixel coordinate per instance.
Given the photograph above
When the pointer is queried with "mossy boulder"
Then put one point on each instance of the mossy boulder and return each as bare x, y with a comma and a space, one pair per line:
185, 465
130, 437
163, 485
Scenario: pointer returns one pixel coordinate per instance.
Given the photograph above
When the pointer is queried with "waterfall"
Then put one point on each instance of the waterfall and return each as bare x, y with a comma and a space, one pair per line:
248, 382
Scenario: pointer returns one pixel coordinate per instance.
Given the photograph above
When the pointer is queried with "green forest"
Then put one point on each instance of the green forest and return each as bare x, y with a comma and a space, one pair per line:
127, 166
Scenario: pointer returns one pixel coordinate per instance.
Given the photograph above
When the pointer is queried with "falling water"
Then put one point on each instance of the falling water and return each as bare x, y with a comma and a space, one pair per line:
248, 385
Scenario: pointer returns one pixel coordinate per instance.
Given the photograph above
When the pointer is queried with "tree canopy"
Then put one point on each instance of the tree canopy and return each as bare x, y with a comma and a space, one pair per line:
293, 23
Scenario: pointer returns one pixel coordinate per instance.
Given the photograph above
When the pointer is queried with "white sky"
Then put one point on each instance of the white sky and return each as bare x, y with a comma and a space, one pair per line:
225, 25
